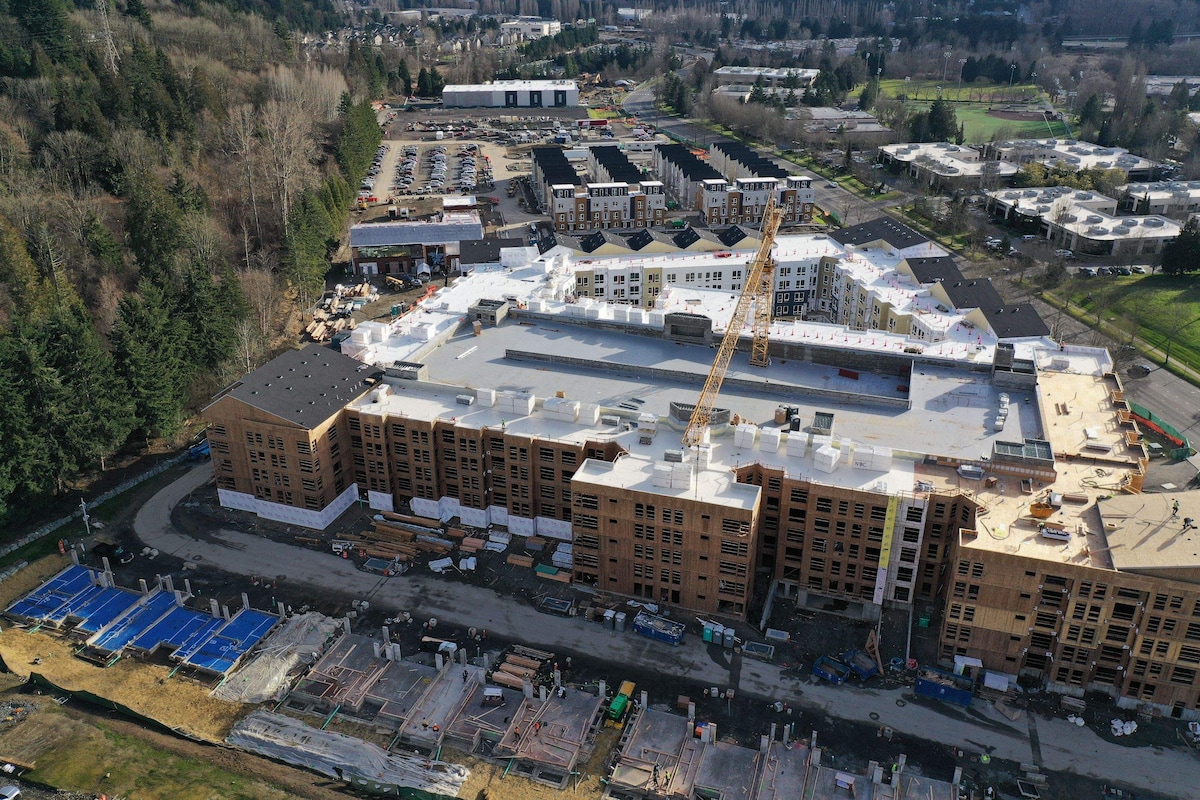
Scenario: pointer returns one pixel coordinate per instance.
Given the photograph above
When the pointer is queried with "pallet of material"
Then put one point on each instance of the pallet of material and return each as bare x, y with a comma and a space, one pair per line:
520, 672
504, 679
522, 661
383, 529
390, 553
433, 547
456, 533
560, 576
471, 545
410, 519
520, 561
535, 543
529, 652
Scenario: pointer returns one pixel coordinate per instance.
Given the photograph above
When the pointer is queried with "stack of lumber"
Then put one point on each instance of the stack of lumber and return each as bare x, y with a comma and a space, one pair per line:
387, 540
520, 561
520, 664
471, 545
414, 520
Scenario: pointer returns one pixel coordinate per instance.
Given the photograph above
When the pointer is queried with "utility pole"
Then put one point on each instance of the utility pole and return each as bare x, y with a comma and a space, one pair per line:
87, 520
946, 64
111, 56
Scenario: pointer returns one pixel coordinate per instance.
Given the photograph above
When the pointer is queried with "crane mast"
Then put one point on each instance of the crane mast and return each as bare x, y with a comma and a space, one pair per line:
757, 291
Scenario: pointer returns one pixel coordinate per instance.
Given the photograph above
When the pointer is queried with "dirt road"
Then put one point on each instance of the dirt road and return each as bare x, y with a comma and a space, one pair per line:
1060, 746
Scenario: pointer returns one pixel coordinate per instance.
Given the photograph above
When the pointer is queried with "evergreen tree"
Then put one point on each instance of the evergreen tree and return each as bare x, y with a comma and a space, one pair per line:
149, 350
1182, 254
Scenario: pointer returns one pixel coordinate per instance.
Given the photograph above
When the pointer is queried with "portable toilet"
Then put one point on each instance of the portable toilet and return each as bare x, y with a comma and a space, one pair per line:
708, 632
620, 621
609, 618
729, 637
718, 634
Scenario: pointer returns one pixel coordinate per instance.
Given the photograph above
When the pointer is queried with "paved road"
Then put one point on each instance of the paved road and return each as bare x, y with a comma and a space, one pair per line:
1063, 747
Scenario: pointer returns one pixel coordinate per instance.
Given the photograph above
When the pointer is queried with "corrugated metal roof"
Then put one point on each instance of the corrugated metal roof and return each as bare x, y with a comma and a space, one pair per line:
385, 234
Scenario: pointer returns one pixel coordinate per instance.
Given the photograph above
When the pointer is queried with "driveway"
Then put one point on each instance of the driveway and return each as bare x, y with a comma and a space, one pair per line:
1062, 747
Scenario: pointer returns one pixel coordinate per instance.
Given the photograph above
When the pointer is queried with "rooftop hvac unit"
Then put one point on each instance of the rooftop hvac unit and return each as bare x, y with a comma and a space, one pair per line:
465, 400
673, 456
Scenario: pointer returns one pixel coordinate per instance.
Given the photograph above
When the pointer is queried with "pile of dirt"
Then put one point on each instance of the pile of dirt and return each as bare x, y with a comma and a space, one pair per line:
179, 704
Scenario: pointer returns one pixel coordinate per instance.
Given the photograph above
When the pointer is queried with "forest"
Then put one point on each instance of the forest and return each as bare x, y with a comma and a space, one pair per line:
173, 177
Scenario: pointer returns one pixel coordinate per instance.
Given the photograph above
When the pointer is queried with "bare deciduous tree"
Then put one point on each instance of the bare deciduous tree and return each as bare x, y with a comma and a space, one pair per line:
289, 153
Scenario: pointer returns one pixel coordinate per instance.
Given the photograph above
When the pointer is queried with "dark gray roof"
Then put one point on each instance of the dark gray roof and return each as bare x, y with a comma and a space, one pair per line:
897, 234
693, 168
616, 164
596, 240
686, 238
750, 159
736, 233
640, 239
305, 387
554, 166
933, 270
549, 242
1016, 321
390, 234
972, 294
484, 251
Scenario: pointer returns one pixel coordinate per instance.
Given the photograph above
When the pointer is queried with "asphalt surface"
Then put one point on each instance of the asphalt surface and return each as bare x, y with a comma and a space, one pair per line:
1053, 744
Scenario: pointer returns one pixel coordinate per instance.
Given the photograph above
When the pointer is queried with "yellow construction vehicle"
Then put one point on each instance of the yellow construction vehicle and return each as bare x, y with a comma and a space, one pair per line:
756, 291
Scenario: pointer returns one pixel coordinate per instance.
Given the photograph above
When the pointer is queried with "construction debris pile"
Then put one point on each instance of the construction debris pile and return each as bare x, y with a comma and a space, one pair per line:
269, 674
343, 757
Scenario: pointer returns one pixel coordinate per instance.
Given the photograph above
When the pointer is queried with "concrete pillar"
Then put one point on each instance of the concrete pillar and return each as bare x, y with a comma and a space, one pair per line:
158, 581
395, 648
543, 695
377, 648
346, 624
74, 556
487, 666
815, 757
170, 583
187, 586
215, 607
462, 657
787, 733
557, 678
603, 690
957, 779
178, 598
527, 688
225, 610
772, 731
691, 712
104, 561
764, 743
387, 635
282, 610
142, 584
900, 764
439, 661
645, 699
245, 601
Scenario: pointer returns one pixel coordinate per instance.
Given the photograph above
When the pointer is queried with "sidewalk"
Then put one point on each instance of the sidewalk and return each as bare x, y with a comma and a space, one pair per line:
1063, 747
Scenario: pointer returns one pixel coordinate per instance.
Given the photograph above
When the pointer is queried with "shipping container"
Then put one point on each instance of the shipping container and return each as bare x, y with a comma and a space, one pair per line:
664, 630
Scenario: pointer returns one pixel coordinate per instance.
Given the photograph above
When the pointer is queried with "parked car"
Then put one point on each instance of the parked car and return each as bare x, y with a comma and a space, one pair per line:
1087, 272
1138, 270
10, 792
1140, 370
1122, 271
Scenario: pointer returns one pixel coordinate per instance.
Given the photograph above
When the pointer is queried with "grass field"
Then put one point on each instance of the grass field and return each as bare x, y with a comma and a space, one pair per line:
603, 113
972, 103
1158, 303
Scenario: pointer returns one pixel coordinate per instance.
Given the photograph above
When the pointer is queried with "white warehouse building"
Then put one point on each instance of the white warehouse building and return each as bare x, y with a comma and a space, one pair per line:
512, 94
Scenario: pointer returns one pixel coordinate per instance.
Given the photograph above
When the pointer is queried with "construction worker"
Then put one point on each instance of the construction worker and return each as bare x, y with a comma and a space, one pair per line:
1174, 508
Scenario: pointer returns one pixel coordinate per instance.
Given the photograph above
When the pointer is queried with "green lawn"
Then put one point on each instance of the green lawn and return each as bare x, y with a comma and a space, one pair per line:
971, 105
1158, 303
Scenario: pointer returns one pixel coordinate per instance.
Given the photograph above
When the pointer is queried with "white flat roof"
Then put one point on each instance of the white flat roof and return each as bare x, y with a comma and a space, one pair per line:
1087, 214
948, 160
1162, 190
519, 85
636, 472
1075, 154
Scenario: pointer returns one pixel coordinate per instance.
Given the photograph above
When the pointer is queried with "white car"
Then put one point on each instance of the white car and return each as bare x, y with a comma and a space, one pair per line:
10, 792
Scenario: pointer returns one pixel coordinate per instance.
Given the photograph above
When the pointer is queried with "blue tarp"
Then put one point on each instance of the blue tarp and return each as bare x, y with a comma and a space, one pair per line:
38, 605
221, 651
177, 629
97, 607
135, 621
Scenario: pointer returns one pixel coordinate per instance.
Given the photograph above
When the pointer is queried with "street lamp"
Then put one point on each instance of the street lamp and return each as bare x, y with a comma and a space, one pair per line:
962, 62
1012, 74
946, 64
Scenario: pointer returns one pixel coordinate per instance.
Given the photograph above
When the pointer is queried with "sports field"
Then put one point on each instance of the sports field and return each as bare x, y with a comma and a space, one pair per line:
984, 111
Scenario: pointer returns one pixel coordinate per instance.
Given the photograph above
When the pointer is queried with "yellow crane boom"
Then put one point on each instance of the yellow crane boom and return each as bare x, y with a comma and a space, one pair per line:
756, 290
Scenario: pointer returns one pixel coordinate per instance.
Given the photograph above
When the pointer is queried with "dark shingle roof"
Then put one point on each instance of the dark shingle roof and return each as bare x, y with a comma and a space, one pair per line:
1016, 321
616, 164
750, 159
972, 294
305, 387
897, 234
640, 239
693, 168
933, 270
484, 251
686, 238
736, 233
554, 166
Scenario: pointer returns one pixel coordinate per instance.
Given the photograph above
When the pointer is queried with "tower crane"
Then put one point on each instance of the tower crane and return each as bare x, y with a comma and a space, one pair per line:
756, 291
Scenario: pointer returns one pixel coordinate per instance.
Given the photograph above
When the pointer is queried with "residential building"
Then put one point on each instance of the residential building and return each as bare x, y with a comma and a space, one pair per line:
512, 94
279, 438
619, 197
867, 468
683, 174
1083, 222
